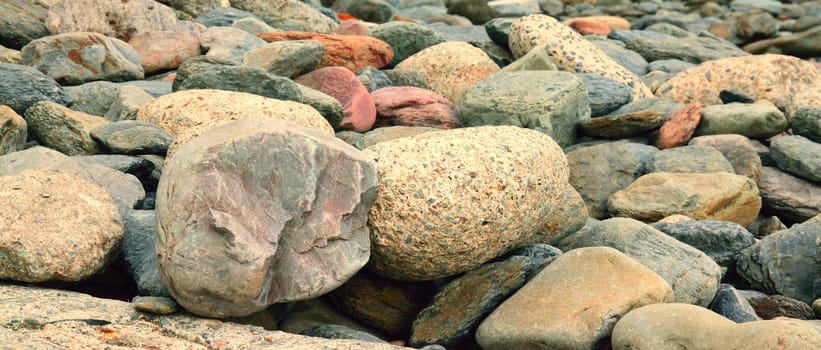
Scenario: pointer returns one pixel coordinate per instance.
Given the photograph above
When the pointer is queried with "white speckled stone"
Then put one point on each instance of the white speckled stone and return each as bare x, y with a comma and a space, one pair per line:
451, 200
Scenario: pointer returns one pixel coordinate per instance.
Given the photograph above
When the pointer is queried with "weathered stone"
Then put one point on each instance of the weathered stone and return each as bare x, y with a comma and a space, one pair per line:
751, 120
789, 196
730, 304
13, 130
325, 104
374, 79
56, 227
161, 51
21, 22
807, 122
689, 159
118, 19
605, 94
670, 66
228, 44
693, 276
24, 86
127, 102
536, 59
252, 25
565, 219
802, 44
63, 129
353, 52
574, 302
132, 137
223, 17
388, 133
772, 306
722, 241
287, 15
692, 49
717, 196
196, 7
737, 149
599, 171
268, 245
290, 58
678, 130
9, 56
626, 58
154, 305
94, 97
333, 331
140, 253
359, 111
412, 106
206, 74
622, 125
406, 39
505, 167
798, 156
302, 315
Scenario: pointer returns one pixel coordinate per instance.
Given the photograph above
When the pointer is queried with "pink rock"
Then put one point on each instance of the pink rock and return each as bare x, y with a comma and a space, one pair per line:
413, 106
350, 51
340, 83
678, 130
160, 51
586, 27
352, 27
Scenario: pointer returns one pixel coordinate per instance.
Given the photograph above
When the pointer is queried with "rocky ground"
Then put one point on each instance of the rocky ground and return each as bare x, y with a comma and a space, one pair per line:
508, 174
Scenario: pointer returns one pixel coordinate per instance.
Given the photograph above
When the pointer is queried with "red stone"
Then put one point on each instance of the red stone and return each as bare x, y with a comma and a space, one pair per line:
352, 27
161, 51
350, 51
340, 83
585, 27
678, 130
413, 106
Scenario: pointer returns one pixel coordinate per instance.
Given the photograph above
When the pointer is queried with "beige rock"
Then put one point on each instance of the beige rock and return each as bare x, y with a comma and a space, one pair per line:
63, 129
9, 56
716, 196
564, 219
684, 326
13, 130
450, 68
574, 302
55, 226
119, 19
675, 218
471, 192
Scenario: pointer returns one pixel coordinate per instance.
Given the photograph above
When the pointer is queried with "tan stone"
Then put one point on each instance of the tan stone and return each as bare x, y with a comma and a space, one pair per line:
13, 130
613, 22
63, 129
675, 218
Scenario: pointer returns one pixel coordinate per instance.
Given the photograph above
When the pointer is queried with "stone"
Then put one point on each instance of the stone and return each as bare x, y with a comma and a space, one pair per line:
573, 303
325, 104
94, 97
692, 49
13, 131
206, 74
406, 78
734, 307
132, 137
669, 66
353, 52
506, 167
535, 59
569, 50
21, 22
121, 20
681, 126
406, 39
692, 327
388, 133
816, 307
140, 253
350, 27
126, 103
781, 262
9, 56
63, 129
776, 78
750, 120
665, 106
286, 58
24, 86
228, 44
154, 305
732, 95
689, 159
716, 196
807, 122
186, 114
586, 27
252, 25
605, 94
222, 17
625, 57
478, 12
772, 306
764, 226
622, 125
412, 106
162, 51
56, 227
450, 68
359, 110
288, 15
693, 275
133, 165
722, 241
738, 150
610, 22
789, 196
498, 29
268, 246
798, 156
333, 331
802, 44
547, 101
598, 171
374, 79
302, 315
564, 220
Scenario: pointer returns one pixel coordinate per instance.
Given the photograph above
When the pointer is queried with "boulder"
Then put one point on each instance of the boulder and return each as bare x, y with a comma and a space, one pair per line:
751, 120
162, 51
406, 38
737, 149
290, 58
689, 159
789, 196
119, 19
798, 156
24, 86
288, 15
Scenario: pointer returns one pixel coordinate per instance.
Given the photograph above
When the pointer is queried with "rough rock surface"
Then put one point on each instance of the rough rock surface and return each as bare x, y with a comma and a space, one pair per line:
290, 58
287, 15
798, 156
24, 86
413, 106
119, 19
350, 51
689, 159
232, 242
751, 120
161, 51
21, 22
722, 241
13, 130
63, 129
678, 130
597, 172
789, 196
737, 149
732, 305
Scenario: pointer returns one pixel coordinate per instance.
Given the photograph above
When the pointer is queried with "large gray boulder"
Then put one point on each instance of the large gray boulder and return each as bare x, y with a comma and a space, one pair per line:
24, 86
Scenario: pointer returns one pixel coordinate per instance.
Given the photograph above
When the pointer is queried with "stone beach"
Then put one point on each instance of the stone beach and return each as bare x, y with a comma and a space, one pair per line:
430, 174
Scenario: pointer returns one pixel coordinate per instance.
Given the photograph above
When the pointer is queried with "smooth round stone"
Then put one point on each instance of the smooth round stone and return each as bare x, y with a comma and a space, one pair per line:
286, 58
406, 39
750, 120
737, 149
798, 156
597, 172
720, 240
789, 196
205, 73
155, 305
689, 159
605, 94
24, 86
807, 122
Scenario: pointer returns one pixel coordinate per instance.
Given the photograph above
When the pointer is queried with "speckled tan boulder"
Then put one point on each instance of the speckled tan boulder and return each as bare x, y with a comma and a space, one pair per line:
777, 78
451, 200
55, 227
186, 114
570, 51
450, 68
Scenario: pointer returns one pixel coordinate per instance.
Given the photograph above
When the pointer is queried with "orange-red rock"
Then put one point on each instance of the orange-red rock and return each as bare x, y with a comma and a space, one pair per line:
350, 51
413, 106
341, 84
161, 51
586, 27
678, 130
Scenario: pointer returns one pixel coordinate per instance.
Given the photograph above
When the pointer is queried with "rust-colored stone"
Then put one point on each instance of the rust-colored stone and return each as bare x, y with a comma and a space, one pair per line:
412, 106
678, 130
350, 51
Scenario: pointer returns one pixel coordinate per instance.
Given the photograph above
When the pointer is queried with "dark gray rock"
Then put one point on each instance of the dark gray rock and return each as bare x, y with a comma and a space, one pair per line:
730, 96
605, 94
375, 11
21, 22
498, 30
663, 105
788, 196
695, 49
730, 304
222, 17
406, 38
373, 79
798, 156
133, 137
477, 11
334, 331
720, 240
94, 97
500, 55
642, 152
785, 262
772, 306
138, 249
806, 121
670, 66
128, 101
24, 86
597, 172
627, 58
689, 159
208, 74
136, 166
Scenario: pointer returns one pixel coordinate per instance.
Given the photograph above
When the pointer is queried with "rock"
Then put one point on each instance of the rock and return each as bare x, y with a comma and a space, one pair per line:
605, 94
665, 106
574, 302
406, 39
162, 51
9, 55
223, 17
252, 25
24, 86
599, 171
21, 22
359, 111
717, 196
670, 66
689, 159
498, 29
350, 27
734, 307
623, 125
185, 114
288, 15
506, 167
692, 49
228, 44
816, 307
788, 196
302, 315
693, 275
390, 306
770, 6
333, 331
126, 103
280, 250
772, 306
564, 220
325, 104
681, 325
535, 59
56, 227
450, 68
374, 79
138, 249
13, 131
205, 74
195, 8
286, 58
750, 120
541, 30
776, 78
406, 78
133, 165
625, 57
798, 156
121, 20
551, 102
155, 305
678, 130
737, 149
94, 97
586, 27
807, 122
132, 137
732, 95
803, 44
350, 51
63, 129
764, 226
388, 133
477, 12
722, 241
780, 263
412, 106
